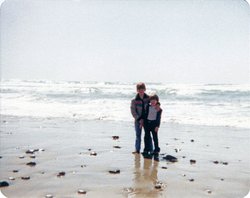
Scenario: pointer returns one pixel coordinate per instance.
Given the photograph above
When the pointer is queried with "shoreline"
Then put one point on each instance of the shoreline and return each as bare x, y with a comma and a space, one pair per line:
126, 122
66, 145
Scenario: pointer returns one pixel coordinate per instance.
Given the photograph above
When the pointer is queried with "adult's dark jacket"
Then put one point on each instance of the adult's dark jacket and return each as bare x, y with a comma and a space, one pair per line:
138, 106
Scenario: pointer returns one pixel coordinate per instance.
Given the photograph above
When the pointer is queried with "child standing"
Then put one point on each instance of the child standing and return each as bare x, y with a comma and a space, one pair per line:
138, 106
152, 124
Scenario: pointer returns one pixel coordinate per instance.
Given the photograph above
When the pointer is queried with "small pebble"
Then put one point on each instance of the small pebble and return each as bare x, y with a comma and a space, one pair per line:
191, 180
129, 190
115, 137
49, 196
21, 157
184, 175
164, 167
157, 186
33, 156
183, 157
25, 178
177, 150
31, 164
209, 191
115, 171
192, 161
222, 179
93, 153
118, 147
60, 174
83, 166
192, 140
11, 178
30, 151
80, 191
216, 162
225, 163
15, 171
4, 184
89, 149
0, 157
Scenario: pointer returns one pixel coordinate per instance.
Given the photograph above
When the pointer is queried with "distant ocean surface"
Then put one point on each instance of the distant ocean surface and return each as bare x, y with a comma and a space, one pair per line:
197, 104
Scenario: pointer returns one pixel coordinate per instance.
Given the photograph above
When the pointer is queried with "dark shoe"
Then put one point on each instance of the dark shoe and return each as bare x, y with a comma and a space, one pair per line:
156, 158
147, 155
145, 152
157, 151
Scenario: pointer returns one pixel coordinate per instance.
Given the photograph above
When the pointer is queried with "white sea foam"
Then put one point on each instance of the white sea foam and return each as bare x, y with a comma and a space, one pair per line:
215, 105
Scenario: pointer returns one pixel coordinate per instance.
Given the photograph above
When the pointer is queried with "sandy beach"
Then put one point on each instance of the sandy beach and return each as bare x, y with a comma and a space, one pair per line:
85, 151
73, 78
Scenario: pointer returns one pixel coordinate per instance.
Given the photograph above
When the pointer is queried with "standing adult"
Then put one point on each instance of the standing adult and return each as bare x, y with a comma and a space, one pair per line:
138, 107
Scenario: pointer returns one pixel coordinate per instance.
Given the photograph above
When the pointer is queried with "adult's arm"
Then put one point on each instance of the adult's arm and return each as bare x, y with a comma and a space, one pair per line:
133, 110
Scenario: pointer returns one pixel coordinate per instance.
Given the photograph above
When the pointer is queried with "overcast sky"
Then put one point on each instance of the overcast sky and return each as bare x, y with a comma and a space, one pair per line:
184, 41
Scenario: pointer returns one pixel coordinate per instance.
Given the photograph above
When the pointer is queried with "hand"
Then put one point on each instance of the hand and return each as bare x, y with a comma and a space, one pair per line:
156, 129
141, 123
157, 107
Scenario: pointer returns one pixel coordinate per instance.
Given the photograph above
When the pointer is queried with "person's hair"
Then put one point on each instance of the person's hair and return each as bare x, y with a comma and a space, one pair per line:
140, 85
154, 97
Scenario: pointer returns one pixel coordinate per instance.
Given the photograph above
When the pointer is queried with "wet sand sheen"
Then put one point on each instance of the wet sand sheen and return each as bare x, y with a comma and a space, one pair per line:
69, 146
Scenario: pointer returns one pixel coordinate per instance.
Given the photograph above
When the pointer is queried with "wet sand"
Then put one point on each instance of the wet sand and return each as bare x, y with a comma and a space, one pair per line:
221, 167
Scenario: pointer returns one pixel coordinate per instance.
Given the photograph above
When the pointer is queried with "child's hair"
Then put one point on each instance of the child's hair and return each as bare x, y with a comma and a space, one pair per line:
140, 85
154, 97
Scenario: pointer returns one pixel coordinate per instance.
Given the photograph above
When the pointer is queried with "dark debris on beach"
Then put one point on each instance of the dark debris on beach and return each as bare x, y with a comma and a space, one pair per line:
223, 163
170, 158
4, 184
31, 164
25, 177
83, 192
93, 153
192, 161
159, 185
115, 137
116, 171
61, 174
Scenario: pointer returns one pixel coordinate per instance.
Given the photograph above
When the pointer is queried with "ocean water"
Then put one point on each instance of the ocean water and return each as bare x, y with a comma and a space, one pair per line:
196, 104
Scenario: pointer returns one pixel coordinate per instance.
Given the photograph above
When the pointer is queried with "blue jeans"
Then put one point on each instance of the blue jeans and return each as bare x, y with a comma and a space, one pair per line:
138, 138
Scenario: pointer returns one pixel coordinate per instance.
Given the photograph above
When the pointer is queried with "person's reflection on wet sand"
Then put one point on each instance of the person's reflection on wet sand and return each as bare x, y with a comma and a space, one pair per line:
145, 177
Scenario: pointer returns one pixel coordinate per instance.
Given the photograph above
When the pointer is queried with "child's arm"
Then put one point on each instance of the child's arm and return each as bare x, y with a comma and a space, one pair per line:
158, 119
